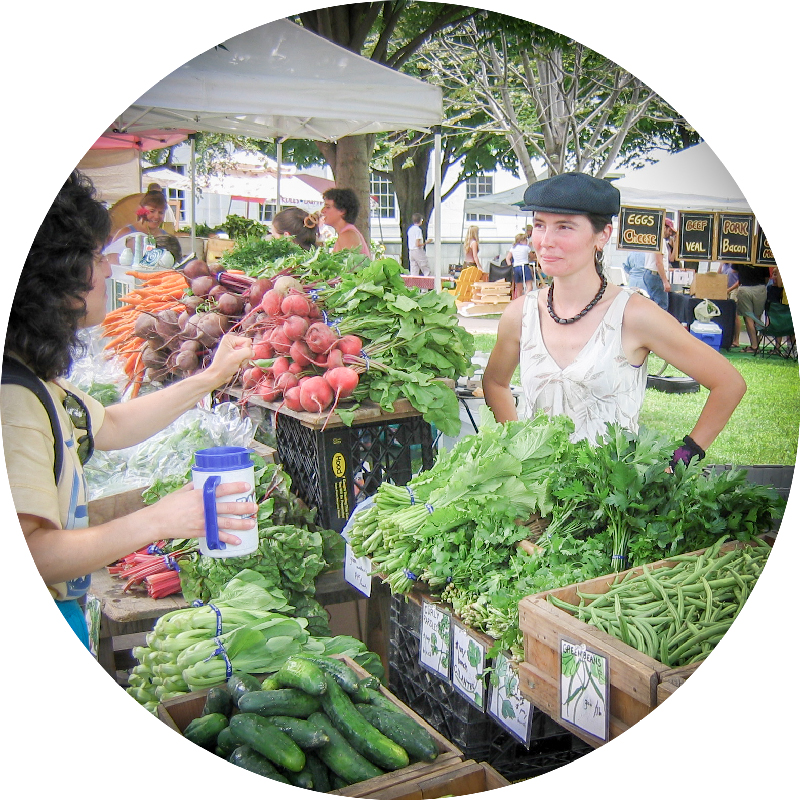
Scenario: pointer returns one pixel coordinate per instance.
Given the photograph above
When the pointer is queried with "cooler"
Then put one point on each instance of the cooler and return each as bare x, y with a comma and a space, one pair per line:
708, 332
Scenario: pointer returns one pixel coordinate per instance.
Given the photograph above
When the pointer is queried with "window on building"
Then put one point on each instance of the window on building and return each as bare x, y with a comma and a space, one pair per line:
382, 202
479, 186
177, 197
266, 211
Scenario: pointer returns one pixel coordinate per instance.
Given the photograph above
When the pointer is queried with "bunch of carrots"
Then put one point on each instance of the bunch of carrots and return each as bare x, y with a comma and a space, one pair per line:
159, 290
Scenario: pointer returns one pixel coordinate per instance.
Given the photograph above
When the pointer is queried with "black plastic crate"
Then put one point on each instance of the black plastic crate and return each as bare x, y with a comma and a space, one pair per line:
474, 732
778, 477
334, 469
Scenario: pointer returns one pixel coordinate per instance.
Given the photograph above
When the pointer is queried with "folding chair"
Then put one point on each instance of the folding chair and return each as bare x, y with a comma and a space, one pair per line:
777, 333
468, 276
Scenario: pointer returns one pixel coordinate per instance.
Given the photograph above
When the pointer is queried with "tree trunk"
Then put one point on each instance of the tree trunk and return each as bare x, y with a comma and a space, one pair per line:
349, 161
409, 176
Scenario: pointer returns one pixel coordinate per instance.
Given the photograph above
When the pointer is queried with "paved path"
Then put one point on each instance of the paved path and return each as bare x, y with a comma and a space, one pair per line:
478, 324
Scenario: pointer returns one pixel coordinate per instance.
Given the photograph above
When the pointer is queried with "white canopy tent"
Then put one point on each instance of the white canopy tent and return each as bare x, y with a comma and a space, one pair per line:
281, 81
693, 179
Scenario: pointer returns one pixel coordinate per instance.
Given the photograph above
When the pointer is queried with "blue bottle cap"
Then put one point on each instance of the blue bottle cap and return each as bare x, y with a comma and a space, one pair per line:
221, 459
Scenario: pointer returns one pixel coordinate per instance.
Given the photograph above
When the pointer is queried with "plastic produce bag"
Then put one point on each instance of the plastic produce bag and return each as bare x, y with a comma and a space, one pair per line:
705, 310
96, 372
170, 452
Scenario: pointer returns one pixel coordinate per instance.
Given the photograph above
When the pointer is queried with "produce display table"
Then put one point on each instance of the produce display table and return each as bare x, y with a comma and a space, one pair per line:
333, 466
637, 682
127, 616
682, 306
472, 729
426, 282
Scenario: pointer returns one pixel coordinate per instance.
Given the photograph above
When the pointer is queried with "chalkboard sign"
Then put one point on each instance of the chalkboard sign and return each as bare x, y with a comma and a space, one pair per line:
735, 238
696, 235
640, 229
764, 256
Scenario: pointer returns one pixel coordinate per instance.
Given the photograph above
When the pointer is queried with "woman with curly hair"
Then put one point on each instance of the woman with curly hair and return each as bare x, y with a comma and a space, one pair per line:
298, 224
340, 212
62, 288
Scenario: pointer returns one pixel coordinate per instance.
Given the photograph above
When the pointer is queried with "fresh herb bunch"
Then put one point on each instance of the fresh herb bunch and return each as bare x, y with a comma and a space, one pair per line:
454, 527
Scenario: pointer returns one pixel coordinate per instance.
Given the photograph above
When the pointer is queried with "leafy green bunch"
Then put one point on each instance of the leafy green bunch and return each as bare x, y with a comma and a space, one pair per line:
411, 340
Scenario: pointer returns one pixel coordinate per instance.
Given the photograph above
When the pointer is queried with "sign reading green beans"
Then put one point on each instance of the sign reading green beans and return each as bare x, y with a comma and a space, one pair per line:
676, 614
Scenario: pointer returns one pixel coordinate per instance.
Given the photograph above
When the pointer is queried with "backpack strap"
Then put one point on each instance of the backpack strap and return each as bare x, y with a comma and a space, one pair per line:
15, 372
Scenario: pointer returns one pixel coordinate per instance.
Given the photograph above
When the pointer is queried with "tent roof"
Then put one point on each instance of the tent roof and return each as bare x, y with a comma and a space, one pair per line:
144, 140
693, 179
282, 81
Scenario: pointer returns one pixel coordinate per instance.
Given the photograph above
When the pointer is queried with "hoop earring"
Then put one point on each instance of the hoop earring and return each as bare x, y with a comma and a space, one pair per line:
598, 261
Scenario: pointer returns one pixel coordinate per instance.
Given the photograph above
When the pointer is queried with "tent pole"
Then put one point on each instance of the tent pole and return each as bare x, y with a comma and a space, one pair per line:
193, 244
437, 206
279, 144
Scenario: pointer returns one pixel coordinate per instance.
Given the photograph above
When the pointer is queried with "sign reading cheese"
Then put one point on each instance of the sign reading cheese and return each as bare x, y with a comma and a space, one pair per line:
640, 229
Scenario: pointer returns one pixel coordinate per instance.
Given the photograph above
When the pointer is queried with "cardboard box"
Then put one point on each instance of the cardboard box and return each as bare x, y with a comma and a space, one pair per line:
710, 286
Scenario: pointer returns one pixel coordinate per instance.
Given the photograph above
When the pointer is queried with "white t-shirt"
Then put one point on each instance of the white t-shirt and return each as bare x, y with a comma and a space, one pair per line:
520, 254
415, 235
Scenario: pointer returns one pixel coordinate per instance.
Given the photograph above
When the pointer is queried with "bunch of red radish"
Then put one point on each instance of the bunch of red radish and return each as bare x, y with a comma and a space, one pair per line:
307, 367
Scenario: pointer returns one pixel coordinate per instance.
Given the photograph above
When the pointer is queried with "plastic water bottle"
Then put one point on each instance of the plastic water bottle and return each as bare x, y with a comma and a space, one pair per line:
214, 466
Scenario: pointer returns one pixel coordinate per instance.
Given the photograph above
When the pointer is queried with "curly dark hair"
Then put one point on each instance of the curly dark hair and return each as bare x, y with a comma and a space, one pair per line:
345, 200
50, 299
299, 224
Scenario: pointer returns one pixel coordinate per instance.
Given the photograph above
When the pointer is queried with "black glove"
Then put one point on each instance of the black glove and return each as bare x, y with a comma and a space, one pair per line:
687, 451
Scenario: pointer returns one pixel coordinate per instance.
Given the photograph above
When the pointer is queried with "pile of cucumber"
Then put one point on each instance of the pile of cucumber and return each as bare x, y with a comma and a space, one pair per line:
314, 724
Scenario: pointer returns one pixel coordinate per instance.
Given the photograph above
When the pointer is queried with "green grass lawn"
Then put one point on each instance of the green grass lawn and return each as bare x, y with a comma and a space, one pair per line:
762, 430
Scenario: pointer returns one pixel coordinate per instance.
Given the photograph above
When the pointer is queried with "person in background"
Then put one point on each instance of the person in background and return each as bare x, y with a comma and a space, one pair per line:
519, 256
633, 267
149, 215
471, 247
655, 279
751, 297
582, 344
733, 292
299, 225
340, 211
62, 288
417, 258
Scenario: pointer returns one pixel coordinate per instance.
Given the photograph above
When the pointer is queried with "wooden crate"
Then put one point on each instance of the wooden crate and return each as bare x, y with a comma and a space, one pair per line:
216, 247
178, 712
492, 293
634, 677
452, 779
670, 680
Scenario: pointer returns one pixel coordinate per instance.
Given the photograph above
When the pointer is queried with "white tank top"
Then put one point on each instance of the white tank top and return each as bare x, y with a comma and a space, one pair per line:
600, 386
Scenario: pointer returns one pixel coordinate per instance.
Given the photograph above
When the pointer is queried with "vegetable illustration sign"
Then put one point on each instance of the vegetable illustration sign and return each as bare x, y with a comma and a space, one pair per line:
469, 658
434, 640
506, 703
584, 689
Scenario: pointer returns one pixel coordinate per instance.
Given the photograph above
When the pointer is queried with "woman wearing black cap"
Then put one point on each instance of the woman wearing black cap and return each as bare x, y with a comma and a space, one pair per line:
582, 344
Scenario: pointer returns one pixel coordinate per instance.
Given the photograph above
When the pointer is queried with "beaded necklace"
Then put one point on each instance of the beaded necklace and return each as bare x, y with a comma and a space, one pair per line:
592, 303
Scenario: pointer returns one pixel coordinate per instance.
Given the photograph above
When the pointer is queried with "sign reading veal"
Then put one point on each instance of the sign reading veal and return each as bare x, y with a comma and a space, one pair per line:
696, 235
640, 228
764, 256
735, 238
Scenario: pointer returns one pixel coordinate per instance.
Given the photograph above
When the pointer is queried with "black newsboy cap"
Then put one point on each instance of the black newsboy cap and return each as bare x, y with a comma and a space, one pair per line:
573, 193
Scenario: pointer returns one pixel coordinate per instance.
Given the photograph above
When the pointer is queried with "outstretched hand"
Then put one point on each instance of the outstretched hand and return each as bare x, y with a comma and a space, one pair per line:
232, 352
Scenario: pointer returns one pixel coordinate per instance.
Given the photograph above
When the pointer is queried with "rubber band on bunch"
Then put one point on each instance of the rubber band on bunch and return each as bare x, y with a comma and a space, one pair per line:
621, 558
200, 603
409, 574
411, 494
366, 359
429, 508
154, 550
220, 651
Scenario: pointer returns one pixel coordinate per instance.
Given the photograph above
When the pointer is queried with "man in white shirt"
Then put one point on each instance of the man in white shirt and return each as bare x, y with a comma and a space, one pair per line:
417, 258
